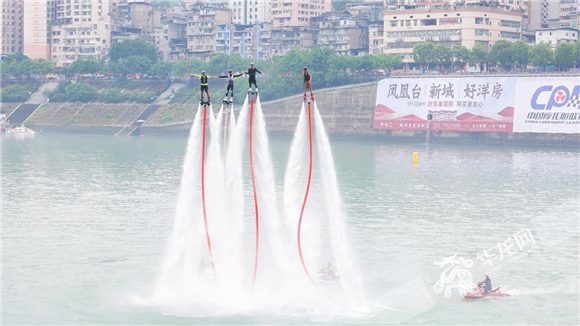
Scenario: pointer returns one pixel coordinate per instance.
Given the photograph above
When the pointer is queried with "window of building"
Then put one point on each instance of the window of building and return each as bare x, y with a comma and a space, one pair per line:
479, 21
428, 22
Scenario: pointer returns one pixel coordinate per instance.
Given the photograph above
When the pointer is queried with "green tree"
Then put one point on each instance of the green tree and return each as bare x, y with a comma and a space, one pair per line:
190, 66
81, 92
41, 67
442, 55
160, 69
478, 55
81, 66
14, 94
541, 55
112, 95
423, 54
131, 65
565, 55
460, 55
127, 49
577, 52
520, 54
17, 65
501, 54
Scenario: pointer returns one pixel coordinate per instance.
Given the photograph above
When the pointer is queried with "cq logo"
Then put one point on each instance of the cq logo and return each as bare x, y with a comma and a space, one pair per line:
559, 96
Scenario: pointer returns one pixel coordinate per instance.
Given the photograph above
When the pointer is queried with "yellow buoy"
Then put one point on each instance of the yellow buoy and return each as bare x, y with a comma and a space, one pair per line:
415, 158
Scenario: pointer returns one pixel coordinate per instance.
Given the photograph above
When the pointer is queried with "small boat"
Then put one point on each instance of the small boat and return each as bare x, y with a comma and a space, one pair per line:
479, 293
22, 130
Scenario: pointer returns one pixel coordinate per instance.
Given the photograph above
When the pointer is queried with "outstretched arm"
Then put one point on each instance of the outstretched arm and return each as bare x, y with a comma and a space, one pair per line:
300, 76
258, 71
239, 75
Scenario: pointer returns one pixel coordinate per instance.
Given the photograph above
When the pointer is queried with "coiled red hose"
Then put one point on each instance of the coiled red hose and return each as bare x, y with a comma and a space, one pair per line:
255, 197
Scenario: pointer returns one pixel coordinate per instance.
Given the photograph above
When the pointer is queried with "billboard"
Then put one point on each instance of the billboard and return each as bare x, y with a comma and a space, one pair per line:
548, 105
455, 104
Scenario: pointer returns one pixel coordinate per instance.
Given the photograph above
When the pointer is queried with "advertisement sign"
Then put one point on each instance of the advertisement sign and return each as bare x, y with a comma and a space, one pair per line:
454, 104
548, 105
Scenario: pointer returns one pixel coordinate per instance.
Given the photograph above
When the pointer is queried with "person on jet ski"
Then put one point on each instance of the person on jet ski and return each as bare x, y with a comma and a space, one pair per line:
329, 272
485, 284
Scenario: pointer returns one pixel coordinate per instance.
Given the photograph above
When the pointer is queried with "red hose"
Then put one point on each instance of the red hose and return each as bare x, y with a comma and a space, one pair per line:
306, 194
255, 197
203, 188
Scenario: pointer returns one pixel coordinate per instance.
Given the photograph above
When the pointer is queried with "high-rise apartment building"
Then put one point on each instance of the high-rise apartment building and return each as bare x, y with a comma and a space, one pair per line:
465, 26
298, 12
202, 29
82, 30
250, 11
553, 14
12, 25
37, 21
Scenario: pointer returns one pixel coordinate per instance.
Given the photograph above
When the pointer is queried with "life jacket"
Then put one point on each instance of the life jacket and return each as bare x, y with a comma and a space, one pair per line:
203, 80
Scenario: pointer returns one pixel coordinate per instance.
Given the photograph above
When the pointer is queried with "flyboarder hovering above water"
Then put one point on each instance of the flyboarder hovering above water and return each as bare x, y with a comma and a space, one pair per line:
231, 77
252, 76
204, 85
307, 82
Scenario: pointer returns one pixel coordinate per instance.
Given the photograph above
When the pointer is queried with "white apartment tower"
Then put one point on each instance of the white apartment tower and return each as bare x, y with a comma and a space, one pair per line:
82, 31
249, 12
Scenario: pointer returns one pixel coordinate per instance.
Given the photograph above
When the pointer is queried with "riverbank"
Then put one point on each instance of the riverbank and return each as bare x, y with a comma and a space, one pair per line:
348, 112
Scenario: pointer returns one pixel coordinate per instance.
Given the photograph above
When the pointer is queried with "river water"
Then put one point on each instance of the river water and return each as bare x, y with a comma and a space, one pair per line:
85, 221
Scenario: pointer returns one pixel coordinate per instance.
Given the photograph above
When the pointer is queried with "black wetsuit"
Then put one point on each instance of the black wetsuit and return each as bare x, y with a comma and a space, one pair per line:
306, 77
230, 83
252, 74
487, 285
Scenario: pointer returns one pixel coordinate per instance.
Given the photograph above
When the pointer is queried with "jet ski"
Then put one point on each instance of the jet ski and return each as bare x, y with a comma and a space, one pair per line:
479, 293
324, 277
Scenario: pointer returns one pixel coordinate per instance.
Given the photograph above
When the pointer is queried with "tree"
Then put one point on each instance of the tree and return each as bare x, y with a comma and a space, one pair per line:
17, 65
520, 54
127, 49
541, 55
478, 55
460, 55
565, 55
501, 53
386, 62
160, 69
112, 95
442, 55
41, 67
423, 54
81, 92
81, 66
577, 52
131, 65
14, 94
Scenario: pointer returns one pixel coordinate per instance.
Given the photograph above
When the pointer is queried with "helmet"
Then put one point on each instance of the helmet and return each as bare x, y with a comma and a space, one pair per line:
203, 71
231, 71
305, 68
486, 276
251, 64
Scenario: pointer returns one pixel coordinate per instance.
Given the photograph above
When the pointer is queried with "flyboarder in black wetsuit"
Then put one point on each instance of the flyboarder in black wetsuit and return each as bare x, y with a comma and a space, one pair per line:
252, 76
307, 82
231, 77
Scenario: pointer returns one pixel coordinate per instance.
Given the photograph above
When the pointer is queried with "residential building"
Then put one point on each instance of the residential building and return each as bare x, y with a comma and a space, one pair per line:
376, 37
37, 17
296, 13
12, 23
82, 30
345, 35
555, 36
249, 12
553, 14
462, 25
283, 39
202, 29
133, 19
171, 39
